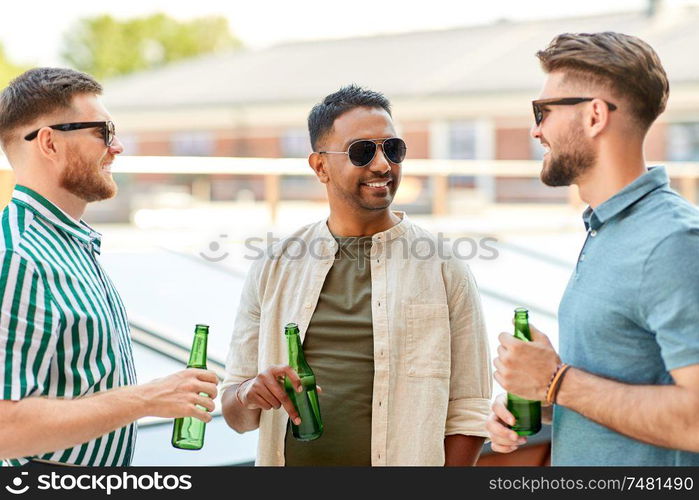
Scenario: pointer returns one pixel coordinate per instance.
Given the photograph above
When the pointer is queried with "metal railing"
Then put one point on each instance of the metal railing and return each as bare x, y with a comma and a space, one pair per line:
686, 174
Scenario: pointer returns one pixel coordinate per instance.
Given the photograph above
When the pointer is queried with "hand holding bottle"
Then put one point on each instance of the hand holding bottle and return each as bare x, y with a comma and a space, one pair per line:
266, 391
525, 368
503, 438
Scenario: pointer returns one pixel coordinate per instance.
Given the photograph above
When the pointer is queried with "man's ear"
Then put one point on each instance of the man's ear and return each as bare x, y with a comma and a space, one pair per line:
597, 118
46, 141
317, 163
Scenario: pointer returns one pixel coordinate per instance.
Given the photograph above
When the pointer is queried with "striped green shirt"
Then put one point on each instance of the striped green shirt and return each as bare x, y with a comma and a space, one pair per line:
63, 328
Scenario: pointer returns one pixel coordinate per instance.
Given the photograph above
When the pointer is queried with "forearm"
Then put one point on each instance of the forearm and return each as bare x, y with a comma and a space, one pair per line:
237, 417
460, 450
38, 425
660, 415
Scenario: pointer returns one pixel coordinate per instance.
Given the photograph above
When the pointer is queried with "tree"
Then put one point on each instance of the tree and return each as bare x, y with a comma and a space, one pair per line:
8, 70
104, 46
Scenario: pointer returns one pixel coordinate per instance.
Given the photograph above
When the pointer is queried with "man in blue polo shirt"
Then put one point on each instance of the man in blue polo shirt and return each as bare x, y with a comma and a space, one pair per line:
625, 389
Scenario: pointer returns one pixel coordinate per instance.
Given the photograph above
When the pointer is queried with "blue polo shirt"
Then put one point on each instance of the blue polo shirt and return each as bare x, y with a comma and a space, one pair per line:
630, 313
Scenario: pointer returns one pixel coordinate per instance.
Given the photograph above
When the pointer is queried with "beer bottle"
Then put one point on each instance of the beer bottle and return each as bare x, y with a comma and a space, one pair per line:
305, 402
527, 413
188, 432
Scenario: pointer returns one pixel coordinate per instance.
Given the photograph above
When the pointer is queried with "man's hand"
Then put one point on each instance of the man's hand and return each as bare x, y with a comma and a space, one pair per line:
503, 439
178, 395
525, 368
266, 391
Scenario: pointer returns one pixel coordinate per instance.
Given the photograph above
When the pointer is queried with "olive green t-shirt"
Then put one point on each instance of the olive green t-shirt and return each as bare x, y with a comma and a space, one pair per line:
339, 346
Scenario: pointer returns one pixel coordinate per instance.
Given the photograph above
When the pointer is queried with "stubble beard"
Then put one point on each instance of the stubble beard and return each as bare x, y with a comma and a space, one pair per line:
576, 157
84, 179
378, 204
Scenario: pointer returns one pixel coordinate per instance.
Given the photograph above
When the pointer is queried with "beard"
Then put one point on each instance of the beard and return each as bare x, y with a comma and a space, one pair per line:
576, 157
84, 179
371, 201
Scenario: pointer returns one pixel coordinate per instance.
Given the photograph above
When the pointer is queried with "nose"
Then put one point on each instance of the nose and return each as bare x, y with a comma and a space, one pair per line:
380, 164
117, 147
535, 131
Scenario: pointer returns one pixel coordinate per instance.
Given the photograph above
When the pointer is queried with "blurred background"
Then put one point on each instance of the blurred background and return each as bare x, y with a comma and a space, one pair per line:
210, 100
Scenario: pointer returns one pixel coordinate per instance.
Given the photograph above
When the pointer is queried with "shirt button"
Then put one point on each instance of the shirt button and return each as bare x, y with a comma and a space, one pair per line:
593, 233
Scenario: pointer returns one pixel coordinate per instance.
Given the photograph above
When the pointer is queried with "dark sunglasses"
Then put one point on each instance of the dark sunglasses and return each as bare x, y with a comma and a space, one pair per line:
566, 101
361, 153
108, 130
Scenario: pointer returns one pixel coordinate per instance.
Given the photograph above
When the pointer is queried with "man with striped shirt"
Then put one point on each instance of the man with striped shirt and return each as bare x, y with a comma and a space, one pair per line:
67, 372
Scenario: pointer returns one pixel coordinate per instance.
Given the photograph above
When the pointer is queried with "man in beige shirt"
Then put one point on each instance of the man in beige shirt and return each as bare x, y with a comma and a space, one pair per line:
390, 319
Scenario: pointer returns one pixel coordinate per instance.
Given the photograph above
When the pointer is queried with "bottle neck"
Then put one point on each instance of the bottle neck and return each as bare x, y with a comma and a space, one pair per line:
522, 329
197, 356
296, 358
295, 349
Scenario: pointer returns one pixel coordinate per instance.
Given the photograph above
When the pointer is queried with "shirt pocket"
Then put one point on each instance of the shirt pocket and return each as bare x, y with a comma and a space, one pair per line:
427, 340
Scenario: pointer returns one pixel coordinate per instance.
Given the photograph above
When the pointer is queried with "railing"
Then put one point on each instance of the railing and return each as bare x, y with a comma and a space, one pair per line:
273, 169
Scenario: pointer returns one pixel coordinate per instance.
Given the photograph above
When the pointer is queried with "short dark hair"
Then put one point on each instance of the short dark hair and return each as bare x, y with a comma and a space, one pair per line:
323, 115
624, 64
38, 92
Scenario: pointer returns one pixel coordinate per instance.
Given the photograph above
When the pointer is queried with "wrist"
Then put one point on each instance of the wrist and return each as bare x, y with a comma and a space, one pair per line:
562, 396
555, 383
139, 397
238, 391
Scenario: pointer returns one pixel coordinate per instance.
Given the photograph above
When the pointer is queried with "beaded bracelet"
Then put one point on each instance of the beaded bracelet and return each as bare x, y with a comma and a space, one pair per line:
559, 382
552, 390
553, 376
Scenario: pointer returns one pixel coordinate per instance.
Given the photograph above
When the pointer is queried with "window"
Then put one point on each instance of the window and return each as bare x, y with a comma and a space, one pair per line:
462, 140
199, 143
295, 143
683, 142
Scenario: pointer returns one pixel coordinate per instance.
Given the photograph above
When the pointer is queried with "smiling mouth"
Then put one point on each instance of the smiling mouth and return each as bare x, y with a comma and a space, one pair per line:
377, 184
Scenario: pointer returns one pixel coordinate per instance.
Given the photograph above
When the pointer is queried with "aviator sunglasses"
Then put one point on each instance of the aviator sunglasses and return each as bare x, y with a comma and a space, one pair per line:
361, 153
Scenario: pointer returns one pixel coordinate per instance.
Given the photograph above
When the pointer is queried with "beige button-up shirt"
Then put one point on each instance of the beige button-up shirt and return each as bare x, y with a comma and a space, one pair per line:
431, 363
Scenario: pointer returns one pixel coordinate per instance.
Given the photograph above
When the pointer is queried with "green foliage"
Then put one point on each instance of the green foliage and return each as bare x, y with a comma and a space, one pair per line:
8, 70
104, 46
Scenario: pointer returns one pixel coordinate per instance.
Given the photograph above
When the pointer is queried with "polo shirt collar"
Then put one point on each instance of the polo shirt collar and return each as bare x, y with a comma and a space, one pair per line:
653, 179
61, 220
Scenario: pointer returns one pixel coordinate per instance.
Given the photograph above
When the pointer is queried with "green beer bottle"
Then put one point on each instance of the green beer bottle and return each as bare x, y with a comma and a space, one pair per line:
305, 402
527, 413
188, 432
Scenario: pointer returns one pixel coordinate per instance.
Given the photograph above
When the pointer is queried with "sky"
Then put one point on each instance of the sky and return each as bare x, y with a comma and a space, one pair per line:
31, 31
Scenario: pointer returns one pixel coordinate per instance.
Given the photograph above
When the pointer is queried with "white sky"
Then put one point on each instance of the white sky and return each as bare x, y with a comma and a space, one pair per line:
31, 30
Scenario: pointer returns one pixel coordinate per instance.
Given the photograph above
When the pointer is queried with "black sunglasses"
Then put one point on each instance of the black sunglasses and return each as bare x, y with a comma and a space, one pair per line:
361, 153
108, 130
566, 101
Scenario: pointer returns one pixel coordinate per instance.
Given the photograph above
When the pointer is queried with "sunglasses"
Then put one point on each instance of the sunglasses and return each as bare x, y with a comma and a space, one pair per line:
566, 101
361, 153
108, 130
